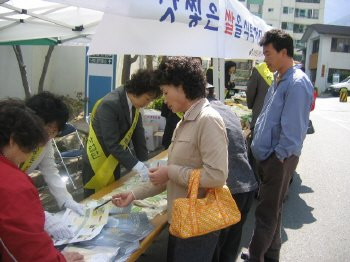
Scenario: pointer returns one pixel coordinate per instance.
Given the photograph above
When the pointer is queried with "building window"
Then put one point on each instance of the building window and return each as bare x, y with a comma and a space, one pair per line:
254, 8
300, 12
288, 10
298, 28
341, 45
287, 26
343, 73
315, 46
307, 13
298, 44
308, 1
312, 13
270, 9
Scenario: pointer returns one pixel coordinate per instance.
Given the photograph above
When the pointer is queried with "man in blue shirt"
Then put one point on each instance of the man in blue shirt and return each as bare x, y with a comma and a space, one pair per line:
278, 138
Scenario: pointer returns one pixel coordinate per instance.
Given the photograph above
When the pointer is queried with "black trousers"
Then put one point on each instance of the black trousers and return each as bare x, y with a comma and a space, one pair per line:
275, 177
193, 249
230, 237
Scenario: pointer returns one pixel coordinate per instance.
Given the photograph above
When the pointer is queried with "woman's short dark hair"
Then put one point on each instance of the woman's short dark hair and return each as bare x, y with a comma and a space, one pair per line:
50, 108
141, 83
182, 71
228, 65
279, 40
21, 124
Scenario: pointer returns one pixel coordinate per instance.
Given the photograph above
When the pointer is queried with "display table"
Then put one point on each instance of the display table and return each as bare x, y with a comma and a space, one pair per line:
159, 221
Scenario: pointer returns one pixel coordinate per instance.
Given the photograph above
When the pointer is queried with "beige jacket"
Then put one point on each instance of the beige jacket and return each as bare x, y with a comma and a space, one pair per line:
199, 141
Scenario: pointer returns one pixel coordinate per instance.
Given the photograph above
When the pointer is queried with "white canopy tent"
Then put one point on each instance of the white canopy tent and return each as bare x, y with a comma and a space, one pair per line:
33, 20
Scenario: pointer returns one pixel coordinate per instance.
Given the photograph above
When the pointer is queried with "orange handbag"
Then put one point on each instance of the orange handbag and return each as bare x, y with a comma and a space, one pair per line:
194, 217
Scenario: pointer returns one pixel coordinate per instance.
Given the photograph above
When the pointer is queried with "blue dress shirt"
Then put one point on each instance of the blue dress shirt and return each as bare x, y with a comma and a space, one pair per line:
282, 124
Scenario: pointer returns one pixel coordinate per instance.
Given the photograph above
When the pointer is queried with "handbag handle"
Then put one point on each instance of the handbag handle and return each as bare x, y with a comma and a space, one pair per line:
193, 184
223, 214
192, 193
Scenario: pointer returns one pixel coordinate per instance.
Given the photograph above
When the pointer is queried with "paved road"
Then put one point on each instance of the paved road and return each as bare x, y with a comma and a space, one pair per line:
316, 215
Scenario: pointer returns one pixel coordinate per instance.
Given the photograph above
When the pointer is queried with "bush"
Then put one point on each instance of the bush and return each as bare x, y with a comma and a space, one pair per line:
156, 104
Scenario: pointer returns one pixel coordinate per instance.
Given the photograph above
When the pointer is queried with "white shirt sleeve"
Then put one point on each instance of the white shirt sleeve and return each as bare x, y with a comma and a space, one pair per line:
49, 171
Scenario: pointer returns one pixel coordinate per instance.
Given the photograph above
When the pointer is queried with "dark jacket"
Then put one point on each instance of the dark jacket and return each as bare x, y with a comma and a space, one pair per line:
171, 121
256, 92
111, 123
240, 174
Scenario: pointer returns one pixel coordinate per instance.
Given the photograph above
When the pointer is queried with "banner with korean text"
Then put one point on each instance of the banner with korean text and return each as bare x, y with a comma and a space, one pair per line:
211, 28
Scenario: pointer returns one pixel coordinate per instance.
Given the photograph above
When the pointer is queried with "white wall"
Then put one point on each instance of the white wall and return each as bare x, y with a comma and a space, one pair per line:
65, 75
327, 58
330, 60
67, 71
11, 82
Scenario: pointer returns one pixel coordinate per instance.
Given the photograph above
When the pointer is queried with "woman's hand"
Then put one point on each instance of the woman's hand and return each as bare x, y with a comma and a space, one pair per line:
123, 199
158, 175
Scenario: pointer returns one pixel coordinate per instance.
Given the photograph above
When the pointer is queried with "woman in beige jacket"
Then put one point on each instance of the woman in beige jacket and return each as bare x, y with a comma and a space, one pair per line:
199, 142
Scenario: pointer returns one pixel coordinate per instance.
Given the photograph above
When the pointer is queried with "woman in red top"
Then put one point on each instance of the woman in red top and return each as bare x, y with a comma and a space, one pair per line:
22, 234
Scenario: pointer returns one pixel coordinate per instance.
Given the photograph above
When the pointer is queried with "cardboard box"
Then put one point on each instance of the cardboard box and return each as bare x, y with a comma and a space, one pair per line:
151, 116
152, 141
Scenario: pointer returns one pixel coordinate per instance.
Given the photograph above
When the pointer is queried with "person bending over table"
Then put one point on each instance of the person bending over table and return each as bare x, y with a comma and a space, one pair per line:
115, 123
54, 112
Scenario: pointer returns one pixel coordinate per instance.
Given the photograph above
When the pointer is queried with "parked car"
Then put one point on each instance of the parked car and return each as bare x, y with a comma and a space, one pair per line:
335, 88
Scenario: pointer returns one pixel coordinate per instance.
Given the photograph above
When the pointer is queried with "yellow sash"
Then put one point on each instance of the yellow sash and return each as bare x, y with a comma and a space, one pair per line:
180, 115
264, 71
30, 160
102, 165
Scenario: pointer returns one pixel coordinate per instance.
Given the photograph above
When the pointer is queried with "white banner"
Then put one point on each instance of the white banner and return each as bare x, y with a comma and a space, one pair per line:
211, 28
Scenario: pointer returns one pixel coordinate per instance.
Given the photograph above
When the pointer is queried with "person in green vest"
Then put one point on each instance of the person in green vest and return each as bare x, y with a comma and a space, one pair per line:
115, 122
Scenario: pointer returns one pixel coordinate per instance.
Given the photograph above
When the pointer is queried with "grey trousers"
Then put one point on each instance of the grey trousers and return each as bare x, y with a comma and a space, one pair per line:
275, 177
